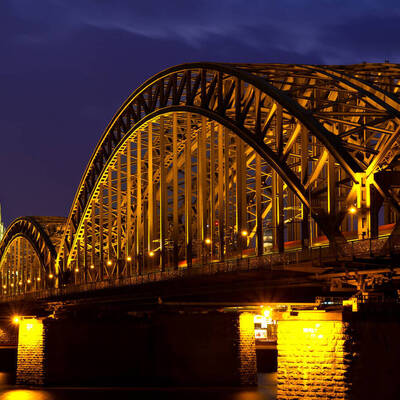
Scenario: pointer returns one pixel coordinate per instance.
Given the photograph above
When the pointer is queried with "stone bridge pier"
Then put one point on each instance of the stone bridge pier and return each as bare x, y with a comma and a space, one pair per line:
339, 354
8, 350
321, 354
146, 349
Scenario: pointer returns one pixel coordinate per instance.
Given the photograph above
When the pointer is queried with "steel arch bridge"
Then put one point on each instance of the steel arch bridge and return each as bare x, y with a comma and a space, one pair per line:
210, 161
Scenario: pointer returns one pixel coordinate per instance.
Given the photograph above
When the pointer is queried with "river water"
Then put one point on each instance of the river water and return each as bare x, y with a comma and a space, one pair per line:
265, 391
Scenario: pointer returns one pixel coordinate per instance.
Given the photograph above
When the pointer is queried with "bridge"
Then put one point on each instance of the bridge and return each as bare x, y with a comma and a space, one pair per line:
215, 180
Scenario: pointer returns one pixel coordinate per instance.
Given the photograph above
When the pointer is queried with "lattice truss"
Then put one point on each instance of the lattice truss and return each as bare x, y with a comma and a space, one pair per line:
210, 161
21, 269
27, 254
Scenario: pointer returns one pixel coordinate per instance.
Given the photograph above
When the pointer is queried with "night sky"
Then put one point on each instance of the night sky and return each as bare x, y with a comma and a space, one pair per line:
67, 65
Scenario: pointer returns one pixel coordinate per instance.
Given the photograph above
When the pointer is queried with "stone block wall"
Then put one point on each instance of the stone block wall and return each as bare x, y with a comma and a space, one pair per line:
247, 350
339, 355
312, 359
159, 349
8, 334
31, 368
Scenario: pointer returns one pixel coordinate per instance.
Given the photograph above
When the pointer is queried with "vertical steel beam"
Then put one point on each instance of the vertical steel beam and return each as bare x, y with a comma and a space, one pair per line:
93, 241
226, 196
101, 230
163, 197
118, 208
85, 250
78, 264
259, 230
332, 198
305, 212
188, 189
241, 203
139, 205
212, 190
175, 188
277, 214
150, 190
201, 186
128, 228
109, 219
221, 200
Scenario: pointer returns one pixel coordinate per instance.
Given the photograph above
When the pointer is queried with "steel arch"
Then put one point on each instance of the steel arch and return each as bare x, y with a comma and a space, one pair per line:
42, 234
174, 86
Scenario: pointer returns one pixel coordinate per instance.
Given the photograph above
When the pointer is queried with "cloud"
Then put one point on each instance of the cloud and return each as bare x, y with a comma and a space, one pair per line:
297, 26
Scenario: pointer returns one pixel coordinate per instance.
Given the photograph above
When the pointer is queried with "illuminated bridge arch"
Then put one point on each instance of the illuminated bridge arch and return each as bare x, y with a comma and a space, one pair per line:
28, 252
206, 161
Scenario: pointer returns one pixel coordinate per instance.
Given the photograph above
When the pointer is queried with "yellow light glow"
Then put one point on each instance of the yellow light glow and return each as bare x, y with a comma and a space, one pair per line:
51, 276
208, 241
352, 210
129, 258
151, 253
15, 319
244, 233
322, 343
28, 281
76, 269
38, 279
20, 283
31, 339
109, 262
92, 266
12, 285
267, 313
4, 287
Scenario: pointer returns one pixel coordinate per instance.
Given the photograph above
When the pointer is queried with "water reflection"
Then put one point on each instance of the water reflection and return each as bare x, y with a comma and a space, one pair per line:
265, 391
23, 394
136, 394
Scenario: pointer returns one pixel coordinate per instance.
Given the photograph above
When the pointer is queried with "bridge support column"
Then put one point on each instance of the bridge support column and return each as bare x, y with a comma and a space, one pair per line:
338, 355
31, 355
154, 349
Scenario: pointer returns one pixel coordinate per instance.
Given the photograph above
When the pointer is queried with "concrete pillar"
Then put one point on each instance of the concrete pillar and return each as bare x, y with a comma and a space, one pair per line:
339, 355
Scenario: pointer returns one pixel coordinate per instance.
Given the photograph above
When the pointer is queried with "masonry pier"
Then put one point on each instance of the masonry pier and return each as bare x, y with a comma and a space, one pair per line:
154, 349
339, 354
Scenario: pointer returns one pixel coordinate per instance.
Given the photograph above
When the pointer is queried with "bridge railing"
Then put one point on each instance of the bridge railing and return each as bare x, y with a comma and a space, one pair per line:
301, 259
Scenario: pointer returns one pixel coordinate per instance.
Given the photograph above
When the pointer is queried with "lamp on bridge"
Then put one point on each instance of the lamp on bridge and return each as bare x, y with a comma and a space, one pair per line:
51, 276
109, 263
151, 253
76, 269
244, 233
129, 258
352, 210
91, 266
38, 278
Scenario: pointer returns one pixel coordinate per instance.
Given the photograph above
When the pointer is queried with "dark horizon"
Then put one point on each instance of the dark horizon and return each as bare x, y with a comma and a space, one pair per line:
68, 66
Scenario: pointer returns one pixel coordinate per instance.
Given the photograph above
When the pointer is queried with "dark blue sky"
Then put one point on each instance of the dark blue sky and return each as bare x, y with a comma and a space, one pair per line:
67, 65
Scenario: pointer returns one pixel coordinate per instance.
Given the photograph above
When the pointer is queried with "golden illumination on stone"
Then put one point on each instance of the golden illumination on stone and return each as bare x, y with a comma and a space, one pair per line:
311, 353
30, 369
247, 348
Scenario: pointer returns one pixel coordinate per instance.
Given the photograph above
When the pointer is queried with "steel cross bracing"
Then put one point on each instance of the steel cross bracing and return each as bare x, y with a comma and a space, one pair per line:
206, 162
